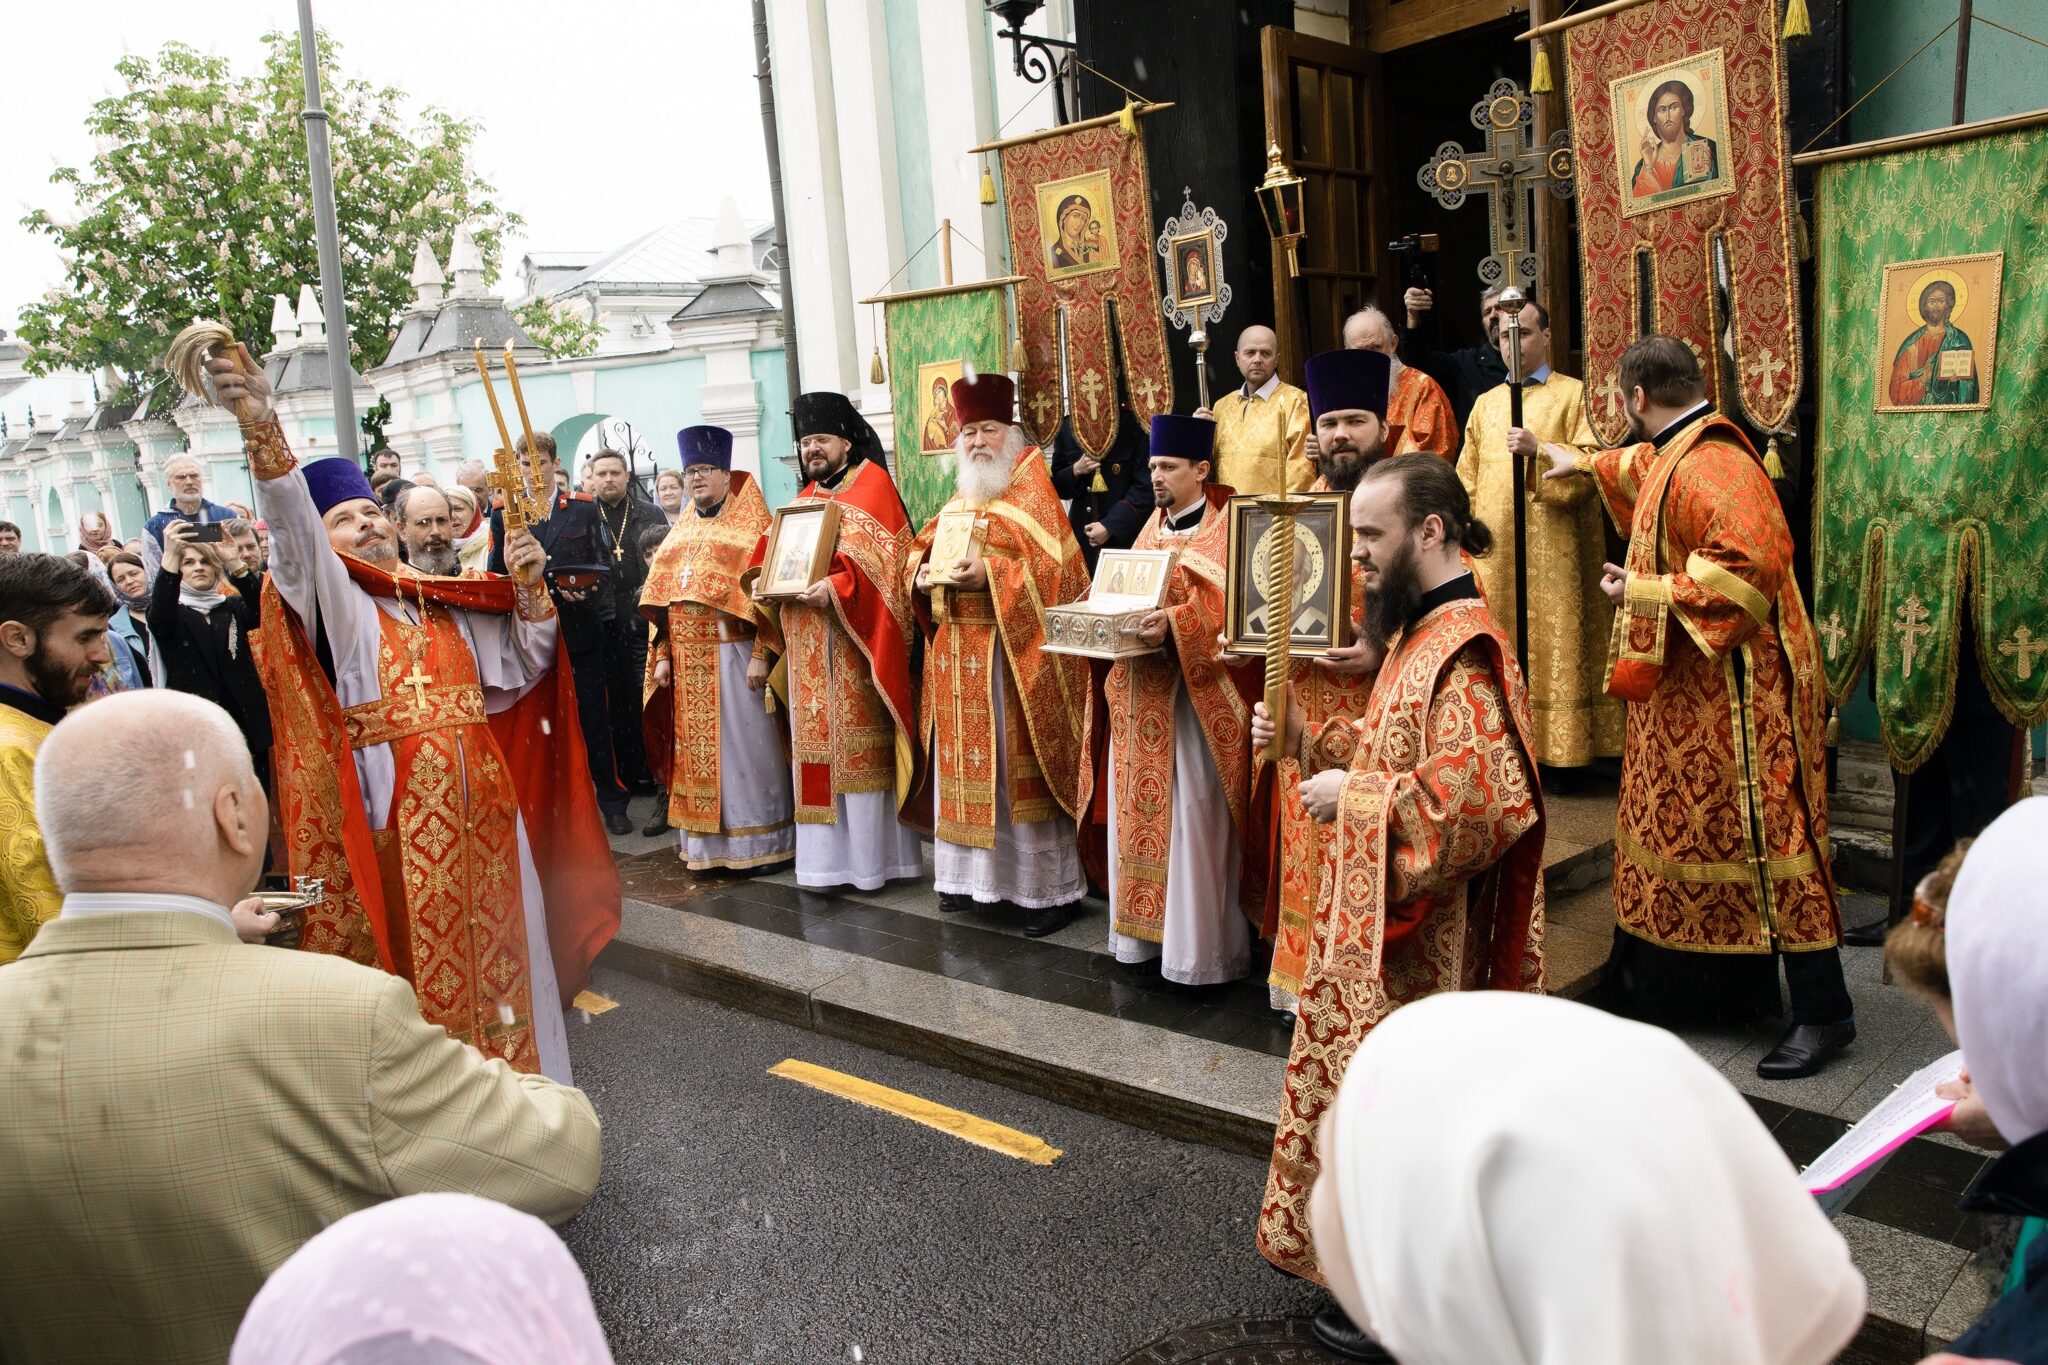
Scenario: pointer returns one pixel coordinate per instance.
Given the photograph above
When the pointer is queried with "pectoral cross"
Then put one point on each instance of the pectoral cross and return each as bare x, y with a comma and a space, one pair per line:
1091, 389
684, 581
2025, 646
1767, 367
1507, 170
1831, 631
417, 680
1910, 625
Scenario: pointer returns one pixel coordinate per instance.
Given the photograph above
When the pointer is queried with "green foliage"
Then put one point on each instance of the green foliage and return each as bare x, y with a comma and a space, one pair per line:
198, 203
559, 330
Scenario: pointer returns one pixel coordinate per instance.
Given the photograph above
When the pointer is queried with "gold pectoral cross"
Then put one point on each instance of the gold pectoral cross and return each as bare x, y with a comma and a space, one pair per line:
417, 680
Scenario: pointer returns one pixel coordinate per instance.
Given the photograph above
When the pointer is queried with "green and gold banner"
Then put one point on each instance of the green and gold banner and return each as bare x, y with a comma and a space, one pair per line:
935, 336
1931, 479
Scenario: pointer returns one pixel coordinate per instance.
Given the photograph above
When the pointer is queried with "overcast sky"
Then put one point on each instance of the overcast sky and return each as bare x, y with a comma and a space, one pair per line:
601, 119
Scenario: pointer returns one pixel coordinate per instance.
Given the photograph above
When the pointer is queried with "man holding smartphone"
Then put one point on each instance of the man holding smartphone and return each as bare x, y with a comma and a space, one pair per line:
188, 503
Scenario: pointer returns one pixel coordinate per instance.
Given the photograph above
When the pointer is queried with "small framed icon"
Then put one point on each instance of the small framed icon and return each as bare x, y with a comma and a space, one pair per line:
800, 543
1320, 611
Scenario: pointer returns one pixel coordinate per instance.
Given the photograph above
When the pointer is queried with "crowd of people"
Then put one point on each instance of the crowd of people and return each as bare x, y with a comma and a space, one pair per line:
439, 713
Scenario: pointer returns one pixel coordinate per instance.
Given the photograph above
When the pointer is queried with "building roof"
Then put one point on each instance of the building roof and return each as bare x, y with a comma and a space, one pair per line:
727, 298
672, 258
304, 368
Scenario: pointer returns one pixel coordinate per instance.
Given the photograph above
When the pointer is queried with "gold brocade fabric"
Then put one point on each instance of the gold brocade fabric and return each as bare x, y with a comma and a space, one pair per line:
29, 897
1422, 410
1569, 617
1434, 876
1261, 442
1140, 694
1721, 835
1033, 562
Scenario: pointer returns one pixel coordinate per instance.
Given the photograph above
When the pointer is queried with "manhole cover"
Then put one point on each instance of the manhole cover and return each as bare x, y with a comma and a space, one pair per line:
1237, 1341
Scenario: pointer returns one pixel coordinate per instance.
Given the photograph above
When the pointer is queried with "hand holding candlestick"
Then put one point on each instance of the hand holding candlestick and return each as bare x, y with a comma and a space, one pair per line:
522, 498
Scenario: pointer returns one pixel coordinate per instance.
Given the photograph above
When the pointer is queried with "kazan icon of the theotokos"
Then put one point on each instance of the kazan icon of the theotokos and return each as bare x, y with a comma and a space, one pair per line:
1077, 223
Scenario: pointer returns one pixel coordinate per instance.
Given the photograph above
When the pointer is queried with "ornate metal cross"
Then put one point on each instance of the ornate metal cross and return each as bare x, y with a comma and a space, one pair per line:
1507, 170
1909, 625
417, 680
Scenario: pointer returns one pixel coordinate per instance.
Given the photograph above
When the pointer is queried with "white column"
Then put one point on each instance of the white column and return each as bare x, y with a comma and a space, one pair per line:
958, 114
875, 248
816, 216
730, 396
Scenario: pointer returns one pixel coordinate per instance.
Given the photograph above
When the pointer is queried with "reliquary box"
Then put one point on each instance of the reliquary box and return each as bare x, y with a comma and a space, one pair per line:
1128, 585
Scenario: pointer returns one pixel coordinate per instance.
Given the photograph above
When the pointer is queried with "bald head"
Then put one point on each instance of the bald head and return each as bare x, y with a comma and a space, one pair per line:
1369, 329
151, 790
1258, 354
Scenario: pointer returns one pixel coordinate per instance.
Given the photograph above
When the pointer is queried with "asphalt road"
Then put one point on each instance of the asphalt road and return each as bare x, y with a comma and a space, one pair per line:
745, 1217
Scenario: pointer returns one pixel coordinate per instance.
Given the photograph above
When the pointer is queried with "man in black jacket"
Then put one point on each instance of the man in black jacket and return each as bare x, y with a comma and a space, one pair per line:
1465, 373
579, 563
626, 517
1111, 516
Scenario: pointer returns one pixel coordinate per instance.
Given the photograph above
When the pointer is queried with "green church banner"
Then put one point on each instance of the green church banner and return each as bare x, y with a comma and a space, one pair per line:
1931, 474
936, 336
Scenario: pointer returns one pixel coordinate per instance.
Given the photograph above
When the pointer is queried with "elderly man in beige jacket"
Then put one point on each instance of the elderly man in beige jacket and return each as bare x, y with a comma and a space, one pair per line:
184, 1109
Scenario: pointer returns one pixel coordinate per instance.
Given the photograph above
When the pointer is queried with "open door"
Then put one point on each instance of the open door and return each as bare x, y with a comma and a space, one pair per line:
1326, 109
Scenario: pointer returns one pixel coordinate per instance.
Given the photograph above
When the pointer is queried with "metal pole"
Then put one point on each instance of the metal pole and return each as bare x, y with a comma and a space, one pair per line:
1964, 23
764, 73
341, 375
1512, 304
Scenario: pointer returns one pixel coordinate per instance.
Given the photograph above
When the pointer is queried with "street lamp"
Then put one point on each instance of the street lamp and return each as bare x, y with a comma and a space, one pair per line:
1035, 58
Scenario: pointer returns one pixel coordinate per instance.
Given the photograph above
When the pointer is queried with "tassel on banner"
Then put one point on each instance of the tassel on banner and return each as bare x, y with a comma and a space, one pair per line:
1774, 468
1127, 117
1019, 361
988, 184
1540, 82
876, 375
1098, 485
1833, 734
1798, 24
1802, 239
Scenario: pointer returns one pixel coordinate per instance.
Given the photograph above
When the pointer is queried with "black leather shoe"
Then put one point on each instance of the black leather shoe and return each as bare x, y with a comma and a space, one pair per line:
1341, 1336
1869, 935
1805, 1049
618, 822
953, 903
658, 822
1052, 919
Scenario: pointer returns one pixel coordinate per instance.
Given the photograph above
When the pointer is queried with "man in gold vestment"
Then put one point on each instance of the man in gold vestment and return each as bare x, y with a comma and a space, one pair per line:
1721, 839
1261, 426
1005, 724
727, 774
1436, 825
1567, 615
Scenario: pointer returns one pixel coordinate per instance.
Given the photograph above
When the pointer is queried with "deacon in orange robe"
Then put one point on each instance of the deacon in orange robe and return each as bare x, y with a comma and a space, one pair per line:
1720, 846
710, 737
1436, 824
1419, 415
429, 765
1005, 724
846, 658
1179, 772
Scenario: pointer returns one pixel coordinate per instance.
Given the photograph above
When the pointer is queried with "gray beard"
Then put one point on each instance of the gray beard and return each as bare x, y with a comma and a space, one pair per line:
441, 563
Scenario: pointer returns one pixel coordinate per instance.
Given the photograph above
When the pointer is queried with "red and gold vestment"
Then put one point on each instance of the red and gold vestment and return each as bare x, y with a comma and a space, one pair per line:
1435, 874
1422, 412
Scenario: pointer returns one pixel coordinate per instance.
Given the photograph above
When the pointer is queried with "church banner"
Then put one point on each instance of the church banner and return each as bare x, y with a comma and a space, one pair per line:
1678, 119
935, 337
1932, 453
1079, 203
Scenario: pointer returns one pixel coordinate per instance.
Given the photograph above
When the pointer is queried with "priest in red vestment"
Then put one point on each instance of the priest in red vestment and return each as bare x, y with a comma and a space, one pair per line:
845, 670
1435, 863
1721, 838
429, 766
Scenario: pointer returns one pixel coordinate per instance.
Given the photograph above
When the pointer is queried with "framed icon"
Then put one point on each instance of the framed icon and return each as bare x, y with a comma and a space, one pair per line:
800, 544
1671, 133
1320, 613
1077, 224
1937, 333
938, 425
957, 538
1191, 269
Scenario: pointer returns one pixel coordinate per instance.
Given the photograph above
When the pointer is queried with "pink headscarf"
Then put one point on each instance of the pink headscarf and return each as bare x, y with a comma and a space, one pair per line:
442, 1270
95, 532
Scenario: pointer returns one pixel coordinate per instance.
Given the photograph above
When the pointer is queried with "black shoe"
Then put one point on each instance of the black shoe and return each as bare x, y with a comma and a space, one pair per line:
618, 822
953, 903
1805, 1049
1052, 919
1341, 1336
1869, 935
657, 823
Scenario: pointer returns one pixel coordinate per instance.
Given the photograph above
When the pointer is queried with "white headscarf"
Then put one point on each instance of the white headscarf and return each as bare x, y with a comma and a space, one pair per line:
1998, 967
441, 1274
1526, 1181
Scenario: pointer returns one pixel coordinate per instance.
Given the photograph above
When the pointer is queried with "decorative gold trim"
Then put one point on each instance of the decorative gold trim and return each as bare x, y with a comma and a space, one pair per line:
1711, 575
1776, 869
269, 456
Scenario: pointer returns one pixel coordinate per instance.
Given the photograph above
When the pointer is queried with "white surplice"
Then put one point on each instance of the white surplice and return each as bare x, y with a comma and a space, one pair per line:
753, 776
512, 655
1032, 866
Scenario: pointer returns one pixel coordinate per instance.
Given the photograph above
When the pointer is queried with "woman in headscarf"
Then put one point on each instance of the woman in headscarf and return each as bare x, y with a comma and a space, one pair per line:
130, 582
669, 494
202, 636
472, 535
1993, 953
96, 536
1519, 1180
431, 1279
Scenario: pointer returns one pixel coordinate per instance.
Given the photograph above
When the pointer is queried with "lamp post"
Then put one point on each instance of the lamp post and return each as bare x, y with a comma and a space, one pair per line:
1280, 201
341, 372
1035, 55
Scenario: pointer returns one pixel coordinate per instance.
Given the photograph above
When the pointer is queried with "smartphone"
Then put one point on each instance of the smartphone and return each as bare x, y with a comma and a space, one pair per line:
209, 532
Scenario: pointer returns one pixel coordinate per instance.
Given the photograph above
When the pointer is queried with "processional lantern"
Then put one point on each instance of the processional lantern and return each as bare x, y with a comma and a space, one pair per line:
1280, 200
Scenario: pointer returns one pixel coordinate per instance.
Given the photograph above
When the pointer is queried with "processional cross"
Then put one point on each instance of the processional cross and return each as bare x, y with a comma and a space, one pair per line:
1507, 169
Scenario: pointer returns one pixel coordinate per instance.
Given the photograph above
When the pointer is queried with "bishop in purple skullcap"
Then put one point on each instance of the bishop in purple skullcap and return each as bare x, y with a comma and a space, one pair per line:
1348, 381
705, 445
334, 481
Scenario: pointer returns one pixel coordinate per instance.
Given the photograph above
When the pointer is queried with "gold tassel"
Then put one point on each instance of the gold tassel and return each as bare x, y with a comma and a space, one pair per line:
1540, 82
988, 184
1097, 485
875, 372
1019, 361
1802, 237
1798, 24
1833, 734
1127, 117
1773, 466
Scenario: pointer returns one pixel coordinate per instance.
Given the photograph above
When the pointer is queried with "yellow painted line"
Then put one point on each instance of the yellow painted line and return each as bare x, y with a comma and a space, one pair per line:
903, 1105
590, 1002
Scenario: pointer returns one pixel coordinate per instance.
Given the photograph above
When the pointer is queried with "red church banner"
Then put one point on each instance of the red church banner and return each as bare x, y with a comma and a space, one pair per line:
1081, 236
1678, 119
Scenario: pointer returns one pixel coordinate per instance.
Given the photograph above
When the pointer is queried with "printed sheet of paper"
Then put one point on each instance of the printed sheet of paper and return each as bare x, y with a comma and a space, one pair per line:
1906, 1113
